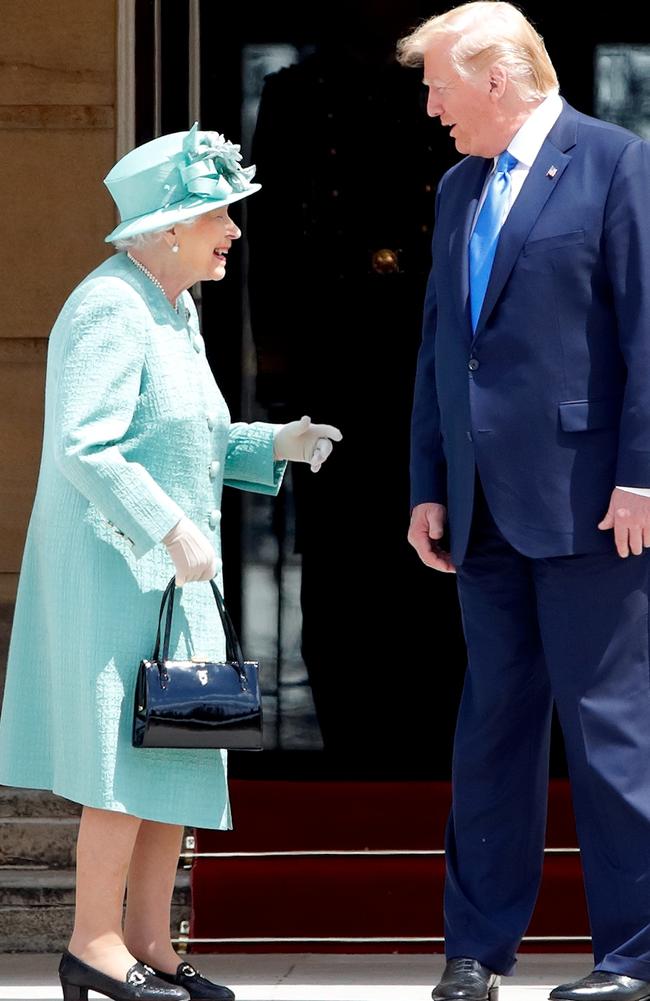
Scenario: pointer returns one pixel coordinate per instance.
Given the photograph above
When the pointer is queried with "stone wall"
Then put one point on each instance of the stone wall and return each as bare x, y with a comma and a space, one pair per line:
57, 141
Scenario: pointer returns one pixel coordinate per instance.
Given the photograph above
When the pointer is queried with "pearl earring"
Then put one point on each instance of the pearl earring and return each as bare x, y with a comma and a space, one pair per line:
174, 249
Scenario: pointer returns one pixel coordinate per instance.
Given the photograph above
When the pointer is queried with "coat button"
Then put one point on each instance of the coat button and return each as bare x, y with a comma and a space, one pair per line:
214, 519
210, 420
214, 468
473, 364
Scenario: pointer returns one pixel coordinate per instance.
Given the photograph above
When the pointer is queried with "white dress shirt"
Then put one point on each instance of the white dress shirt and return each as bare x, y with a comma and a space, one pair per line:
525, 145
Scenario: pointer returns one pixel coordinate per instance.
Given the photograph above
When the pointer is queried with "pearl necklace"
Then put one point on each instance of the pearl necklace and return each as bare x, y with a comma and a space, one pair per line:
152, 278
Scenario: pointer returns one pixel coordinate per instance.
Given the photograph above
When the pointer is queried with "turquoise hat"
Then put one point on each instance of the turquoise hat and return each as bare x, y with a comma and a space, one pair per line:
174, 178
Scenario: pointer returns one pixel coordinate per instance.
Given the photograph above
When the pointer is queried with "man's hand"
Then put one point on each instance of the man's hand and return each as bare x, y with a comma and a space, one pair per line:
629, 516
427, 526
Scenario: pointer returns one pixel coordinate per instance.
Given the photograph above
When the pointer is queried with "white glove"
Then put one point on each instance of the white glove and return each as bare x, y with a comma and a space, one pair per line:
193, 556
302, 441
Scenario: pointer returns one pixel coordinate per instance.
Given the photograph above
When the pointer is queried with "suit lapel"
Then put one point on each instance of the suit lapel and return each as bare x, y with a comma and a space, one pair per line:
544, 176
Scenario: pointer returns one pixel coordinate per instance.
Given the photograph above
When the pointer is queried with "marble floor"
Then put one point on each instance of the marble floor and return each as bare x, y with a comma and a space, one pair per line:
312, 977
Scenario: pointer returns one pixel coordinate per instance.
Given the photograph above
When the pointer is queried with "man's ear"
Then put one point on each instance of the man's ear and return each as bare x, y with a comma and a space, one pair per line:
498, 79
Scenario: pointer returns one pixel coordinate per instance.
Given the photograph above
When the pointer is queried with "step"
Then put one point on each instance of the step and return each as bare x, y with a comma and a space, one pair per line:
38, 841
354, 896
376, 868
37, 828
39, 888
48, 929
37, 909
34, 803
36, 887
354, 815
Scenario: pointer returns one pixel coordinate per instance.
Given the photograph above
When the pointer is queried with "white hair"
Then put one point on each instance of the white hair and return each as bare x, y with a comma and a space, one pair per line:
141, 240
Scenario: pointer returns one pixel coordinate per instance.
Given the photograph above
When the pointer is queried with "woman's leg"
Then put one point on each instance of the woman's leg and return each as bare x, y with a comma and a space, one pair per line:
104, 849
150, 887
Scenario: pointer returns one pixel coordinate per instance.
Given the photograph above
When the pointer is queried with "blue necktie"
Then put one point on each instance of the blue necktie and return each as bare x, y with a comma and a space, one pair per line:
484, 239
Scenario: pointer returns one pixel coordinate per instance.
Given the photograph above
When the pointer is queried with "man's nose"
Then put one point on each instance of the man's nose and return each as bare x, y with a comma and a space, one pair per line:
433, 105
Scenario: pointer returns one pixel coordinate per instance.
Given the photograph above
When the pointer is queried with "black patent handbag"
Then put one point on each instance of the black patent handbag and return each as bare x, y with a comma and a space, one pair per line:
193, 703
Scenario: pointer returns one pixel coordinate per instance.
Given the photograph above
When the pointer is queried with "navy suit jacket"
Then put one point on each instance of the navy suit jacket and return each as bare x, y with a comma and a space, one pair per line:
551, 397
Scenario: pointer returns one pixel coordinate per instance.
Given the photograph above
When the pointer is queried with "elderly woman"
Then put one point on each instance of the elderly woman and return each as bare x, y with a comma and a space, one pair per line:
138, 444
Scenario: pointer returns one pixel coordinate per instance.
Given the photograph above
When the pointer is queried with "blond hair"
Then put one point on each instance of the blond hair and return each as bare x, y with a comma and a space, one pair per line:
484, 33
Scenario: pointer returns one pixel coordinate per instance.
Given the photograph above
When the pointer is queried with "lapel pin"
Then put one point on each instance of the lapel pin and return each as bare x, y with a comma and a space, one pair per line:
552, 171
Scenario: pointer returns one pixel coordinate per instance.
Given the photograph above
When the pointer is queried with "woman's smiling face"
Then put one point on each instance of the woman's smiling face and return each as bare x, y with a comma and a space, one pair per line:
203, 247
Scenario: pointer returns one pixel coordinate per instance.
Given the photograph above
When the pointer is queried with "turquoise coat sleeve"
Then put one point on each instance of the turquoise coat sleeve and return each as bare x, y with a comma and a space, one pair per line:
96, 393
249, 459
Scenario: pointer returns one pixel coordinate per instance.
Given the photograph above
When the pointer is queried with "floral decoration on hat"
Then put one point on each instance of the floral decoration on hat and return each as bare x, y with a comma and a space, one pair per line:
211, 157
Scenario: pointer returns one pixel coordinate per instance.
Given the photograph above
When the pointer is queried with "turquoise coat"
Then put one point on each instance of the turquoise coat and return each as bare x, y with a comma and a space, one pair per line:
136, 434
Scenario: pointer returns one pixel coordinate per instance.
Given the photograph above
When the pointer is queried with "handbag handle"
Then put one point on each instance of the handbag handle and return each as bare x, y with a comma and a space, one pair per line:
233, 648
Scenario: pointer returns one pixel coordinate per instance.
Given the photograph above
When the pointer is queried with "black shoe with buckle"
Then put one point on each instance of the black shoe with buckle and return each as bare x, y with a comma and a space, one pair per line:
141, 983
599, 985
466, 980
199, 988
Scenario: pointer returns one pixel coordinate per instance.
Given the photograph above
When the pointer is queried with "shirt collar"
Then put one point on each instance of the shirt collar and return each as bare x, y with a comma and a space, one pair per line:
527, 142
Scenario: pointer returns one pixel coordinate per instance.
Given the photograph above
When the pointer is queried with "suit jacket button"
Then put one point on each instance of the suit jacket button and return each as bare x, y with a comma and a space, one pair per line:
473, 364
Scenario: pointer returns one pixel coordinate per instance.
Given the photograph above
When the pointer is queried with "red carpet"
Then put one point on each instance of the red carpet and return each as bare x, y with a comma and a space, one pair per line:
352, 896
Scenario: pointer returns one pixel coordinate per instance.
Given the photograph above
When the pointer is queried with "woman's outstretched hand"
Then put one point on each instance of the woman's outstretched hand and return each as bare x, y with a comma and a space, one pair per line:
302, 441
192, 555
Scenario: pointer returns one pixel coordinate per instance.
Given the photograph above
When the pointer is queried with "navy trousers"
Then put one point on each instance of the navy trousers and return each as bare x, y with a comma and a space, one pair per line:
572, 629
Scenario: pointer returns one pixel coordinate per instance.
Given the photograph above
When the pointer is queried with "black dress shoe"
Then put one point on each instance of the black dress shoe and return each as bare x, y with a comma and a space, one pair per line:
199, 988
141, 984
466, 980
599, 985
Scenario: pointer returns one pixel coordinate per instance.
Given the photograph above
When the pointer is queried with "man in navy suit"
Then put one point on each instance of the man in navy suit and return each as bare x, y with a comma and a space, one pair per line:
531, 445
